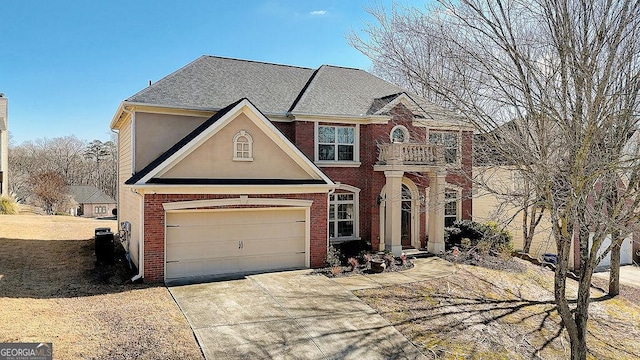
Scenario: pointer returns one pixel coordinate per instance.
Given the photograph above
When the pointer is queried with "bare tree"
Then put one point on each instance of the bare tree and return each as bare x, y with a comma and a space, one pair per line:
50, 190
567, 73
78, 162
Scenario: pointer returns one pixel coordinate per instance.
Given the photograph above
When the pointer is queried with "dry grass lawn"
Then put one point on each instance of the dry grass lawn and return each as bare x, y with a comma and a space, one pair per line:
51, 291
478, 313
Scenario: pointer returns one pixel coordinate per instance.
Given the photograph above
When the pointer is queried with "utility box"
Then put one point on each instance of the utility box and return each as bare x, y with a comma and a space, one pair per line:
104, 247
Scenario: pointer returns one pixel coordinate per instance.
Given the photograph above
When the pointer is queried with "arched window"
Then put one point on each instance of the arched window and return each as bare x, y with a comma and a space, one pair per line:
242, 147
399, 134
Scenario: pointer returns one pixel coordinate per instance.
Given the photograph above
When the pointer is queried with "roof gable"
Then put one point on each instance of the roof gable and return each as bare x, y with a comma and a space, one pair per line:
188, 148
87, 194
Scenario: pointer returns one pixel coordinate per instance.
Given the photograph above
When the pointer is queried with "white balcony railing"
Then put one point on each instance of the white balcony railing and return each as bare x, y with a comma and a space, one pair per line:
410, 154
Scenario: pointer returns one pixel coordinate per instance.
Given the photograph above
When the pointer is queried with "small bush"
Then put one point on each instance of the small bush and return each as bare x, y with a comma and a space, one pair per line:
468, 234
354, 263
334, 258
352, 248
8, 206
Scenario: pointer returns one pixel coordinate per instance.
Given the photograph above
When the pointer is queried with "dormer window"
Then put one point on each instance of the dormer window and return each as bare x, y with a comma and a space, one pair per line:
242, 147
399, 134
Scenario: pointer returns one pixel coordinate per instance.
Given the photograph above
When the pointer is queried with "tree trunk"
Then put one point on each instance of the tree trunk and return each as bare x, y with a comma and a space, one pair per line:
614, 270
559, 291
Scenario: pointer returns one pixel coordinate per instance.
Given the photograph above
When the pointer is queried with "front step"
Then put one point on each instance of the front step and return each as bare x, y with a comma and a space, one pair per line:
418, 253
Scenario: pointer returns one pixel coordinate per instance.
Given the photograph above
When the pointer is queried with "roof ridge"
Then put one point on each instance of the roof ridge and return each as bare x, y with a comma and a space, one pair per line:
304, 90
346, 67
165, 78
258, 62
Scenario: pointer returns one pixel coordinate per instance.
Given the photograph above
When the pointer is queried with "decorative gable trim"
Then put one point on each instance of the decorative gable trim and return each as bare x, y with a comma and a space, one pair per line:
405, 100
212, 126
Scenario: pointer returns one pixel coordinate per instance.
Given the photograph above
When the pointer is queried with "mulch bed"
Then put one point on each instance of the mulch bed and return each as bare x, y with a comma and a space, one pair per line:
342, 271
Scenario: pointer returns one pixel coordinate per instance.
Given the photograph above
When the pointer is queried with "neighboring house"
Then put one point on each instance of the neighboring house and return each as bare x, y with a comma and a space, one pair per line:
4, 146
91, 201
504, 179
235, 166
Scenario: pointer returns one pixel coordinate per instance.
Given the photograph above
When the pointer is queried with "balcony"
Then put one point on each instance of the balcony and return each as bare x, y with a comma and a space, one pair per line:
408, 154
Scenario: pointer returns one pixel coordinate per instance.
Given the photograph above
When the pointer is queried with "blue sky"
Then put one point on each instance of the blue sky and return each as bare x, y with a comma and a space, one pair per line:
66, 65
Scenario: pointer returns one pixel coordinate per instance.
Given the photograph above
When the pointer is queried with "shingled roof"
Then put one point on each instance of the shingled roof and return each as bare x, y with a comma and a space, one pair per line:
211, 83
87, 194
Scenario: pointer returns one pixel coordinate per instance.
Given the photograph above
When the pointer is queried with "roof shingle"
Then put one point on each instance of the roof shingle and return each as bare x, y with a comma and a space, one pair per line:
211, 83
88, 194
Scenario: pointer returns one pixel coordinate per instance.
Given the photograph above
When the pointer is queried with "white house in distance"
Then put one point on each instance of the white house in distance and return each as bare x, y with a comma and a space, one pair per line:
4, 146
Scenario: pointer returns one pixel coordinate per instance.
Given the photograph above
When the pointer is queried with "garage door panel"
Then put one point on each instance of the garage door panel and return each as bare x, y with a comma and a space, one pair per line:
203, 266
222, 242
272, 246
265, 262
202, 250
626, 251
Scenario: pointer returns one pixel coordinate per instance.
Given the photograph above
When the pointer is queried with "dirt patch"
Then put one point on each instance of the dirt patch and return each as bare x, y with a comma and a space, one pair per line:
52, 291
628, 292
481, 313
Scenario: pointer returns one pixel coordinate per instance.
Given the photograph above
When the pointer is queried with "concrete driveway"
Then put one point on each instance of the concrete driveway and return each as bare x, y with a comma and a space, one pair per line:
293, 315
629, 275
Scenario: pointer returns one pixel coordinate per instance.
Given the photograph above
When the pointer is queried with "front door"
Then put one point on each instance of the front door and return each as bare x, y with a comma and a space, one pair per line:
405, 220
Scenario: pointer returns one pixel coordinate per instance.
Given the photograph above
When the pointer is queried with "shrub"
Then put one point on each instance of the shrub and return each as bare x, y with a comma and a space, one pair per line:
484, 237
353, 262
8, 206
352, 248
334, 258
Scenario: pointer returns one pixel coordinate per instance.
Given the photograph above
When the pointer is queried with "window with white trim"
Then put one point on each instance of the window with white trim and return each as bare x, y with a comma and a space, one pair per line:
336, 143
342, 216
242, 147
399, 134
451, 207
100, 210
448, 140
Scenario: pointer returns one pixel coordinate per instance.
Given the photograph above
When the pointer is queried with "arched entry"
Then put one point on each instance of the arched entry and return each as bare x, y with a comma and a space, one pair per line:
410, 216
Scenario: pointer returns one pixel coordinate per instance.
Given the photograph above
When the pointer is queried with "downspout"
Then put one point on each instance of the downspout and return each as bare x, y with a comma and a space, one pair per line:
328, 206
140, 241
140, 247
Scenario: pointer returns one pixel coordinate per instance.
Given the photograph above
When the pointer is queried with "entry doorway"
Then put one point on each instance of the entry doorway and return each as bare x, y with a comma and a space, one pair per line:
409, 216
406, 217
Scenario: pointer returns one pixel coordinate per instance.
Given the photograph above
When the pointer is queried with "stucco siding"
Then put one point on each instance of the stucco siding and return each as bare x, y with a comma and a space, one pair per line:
214, 158
156, 133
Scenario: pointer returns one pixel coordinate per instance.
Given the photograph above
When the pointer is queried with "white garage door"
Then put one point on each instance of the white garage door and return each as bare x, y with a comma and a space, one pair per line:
208, 243
626, 251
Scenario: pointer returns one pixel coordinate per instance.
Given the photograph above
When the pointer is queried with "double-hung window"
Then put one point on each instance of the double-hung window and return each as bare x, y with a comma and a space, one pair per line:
336, 143
449, 141
342, 215
450, 207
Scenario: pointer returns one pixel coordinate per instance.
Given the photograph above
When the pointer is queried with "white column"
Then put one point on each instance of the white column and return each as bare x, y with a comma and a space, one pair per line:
393, 212
437, 185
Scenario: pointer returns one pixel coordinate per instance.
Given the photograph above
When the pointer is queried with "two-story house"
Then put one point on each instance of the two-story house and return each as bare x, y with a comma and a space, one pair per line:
232, 166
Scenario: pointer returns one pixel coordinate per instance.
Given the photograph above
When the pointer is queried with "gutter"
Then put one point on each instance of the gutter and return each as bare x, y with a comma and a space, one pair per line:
140, 250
